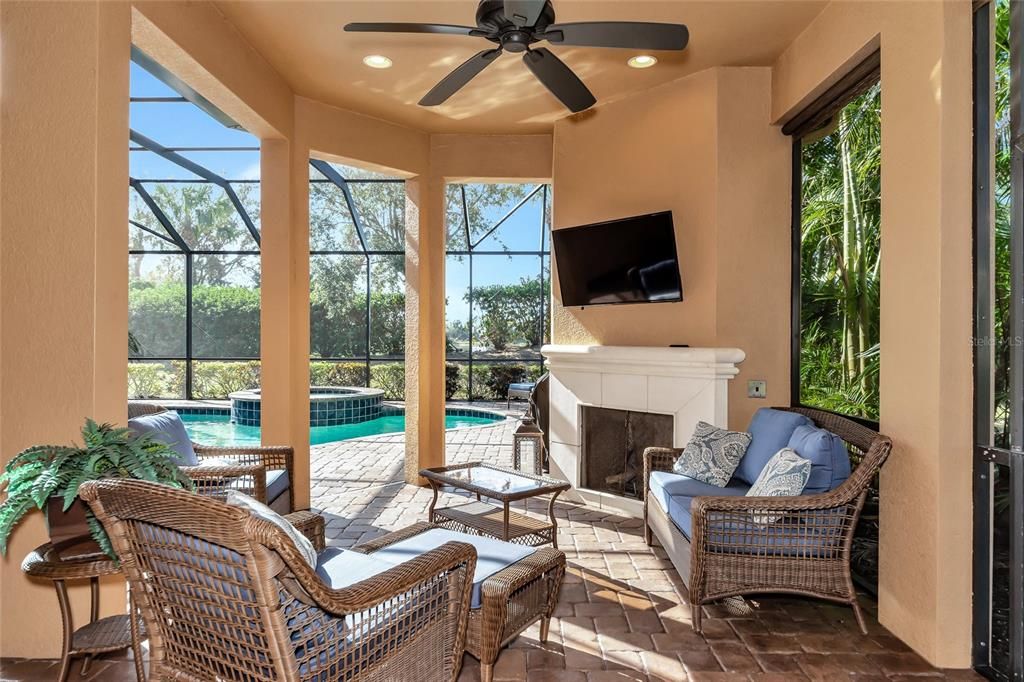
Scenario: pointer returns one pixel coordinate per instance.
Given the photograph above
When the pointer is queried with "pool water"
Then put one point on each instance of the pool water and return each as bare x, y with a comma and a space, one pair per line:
218, 429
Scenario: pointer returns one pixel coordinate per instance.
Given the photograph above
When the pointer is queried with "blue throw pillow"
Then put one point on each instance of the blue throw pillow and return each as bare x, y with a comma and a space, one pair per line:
770, 431
830, 460
167, 428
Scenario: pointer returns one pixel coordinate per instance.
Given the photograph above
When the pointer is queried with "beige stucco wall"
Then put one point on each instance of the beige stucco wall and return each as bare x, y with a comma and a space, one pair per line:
704, 148
63, 261
926, 401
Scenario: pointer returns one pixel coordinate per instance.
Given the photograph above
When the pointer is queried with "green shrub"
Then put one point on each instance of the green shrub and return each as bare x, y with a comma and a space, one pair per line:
490, 382
215, 380
390, 378
451, 380
149, 380
323, 373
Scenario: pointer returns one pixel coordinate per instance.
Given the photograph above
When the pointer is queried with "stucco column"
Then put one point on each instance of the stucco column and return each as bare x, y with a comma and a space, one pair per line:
63, 262
425, 331
276, 282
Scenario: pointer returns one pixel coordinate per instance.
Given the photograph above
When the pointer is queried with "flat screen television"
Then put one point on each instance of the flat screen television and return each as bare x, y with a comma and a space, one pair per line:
632, 260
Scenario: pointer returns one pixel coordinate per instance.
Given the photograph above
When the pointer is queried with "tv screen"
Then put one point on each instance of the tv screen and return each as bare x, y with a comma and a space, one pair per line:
632, 260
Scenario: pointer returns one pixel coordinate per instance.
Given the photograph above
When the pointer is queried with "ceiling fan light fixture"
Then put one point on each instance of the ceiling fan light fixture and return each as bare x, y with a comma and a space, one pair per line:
377, 61
642, 61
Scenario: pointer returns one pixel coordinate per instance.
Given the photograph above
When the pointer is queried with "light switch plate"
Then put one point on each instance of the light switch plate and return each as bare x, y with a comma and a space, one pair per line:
756, 388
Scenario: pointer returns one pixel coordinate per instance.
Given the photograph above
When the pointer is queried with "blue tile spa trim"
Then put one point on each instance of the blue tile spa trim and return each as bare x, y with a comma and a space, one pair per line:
328, 406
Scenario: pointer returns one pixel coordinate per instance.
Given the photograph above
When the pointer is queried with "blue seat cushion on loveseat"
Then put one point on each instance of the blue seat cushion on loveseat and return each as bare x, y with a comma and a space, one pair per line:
167, 428
770, 431
492, 556
830, 460
666, 484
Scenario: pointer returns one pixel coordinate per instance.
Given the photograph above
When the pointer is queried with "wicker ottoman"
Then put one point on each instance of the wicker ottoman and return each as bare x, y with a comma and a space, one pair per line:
513, 599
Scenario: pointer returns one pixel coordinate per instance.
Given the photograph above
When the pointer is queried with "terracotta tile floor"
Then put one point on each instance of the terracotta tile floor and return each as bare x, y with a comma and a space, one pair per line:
622, 614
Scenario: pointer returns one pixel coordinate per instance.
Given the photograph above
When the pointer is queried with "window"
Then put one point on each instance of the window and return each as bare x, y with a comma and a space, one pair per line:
837, 247
498, 287
194, 275
357, 278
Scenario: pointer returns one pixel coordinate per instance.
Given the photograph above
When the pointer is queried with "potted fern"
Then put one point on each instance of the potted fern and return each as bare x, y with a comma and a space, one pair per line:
47, 477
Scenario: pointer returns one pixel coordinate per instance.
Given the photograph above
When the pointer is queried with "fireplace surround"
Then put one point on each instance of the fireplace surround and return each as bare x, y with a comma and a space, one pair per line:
686, 385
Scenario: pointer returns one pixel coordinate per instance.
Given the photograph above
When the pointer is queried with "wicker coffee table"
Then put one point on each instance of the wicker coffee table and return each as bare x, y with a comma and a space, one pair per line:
505, 486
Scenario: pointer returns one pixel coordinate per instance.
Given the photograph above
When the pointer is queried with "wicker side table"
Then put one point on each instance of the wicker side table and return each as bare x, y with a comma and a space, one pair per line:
100, 635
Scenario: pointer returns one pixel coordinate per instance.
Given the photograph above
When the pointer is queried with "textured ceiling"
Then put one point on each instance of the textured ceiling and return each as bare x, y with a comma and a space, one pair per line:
305, 43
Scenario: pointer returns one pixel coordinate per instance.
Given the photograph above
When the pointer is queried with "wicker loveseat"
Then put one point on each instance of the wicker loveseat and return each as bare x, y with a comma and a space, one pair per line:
262, 472
226, 595
729, 544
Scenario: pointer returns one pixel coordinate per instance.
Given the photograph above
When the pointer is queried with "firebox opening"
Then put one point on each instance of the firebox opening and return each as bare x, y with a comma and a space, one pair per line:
613, 446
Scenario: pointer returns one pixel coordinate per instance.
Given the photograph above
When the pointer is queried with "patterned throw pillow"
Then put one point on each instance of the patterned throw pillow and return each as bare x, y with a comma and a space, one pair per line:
785, 475
712, 454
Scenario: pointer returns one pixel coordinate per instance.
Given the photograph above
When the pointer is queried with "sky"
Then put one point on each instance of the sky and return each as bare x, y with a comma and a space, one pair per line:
181, 124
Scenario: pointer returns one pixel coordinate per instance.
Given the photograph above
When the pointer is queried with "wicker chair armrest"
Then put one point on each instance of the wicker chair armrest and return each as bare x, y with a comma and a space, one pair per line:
311, 525
215, 481
658, 459
270, 457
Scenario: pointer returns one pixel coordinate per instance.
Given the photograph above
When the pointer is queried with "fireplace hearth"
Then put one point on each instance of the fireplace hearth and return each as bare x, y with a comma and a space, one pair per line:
613, 445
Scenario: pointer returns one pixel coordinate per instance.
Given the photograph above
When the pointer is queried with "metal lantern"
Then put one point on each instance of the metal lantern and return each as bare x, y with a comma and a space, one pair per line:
528, 447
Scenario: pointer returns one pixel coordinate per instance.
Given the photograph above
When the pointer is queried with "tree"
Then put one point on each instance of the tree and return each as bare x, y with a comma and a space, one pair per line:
840, 260
511, 312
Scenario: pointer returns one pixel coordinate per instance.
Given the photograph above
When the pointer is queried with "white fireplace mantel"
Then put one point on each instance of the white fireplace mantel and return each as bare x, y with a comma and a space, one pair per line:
690, 384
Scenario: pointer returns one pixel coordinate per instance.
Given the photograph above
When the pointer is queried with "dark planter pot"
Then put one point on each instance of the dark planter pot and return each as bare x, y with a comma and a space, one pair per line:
69, 530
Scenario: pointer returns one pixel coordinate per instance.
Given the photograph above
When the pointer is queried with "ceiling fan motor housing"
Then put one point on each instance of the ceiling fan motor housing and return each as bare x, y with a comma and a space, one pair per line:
490, 17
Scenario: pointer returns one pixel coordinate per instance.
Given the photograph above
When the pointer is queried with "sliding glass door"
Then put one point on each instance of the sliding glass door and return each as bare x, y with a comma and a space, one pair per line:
999, 340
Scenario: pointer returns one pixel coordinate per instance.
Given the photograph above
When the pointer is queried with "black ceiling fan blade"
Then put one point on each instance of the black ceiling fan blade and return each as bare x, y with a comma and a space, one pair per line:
524, 12
458, 78
559, 79
638, 35
442, 29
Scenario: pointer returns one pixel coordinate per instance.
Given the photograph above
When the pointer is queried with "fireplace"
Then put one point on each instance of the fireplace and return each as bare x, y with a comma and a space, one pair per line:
676, 386
613, 444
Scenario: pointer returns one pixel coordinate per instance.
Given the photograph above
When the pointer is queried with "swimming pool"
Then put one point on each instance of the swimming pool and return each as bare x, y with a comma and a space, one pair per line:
215, 429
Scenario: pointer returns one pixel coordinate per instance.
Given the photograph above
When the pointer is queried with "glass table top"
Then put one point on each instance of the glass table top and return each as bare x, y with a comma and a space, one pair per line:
496, 480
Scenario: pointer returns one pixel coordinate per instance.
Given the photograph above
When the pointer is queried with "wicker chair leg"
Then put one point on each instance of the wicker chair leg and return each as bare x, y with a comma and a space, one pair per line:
859, 615
486, 672
697, 612
545, 626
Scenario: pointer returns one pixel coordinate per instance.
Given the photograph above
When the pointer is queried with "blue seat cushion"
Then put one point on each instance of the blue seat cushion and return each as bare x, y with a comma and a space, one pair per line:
665, 484
830, 460
339, 567
805, 538
521, 387
770, 431
492, 556
167, 428
277, 483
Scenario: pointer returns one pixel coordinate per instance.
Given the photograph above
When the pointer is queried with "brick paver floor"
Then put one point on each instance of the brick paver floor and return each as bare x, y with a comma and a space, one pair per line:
623, 613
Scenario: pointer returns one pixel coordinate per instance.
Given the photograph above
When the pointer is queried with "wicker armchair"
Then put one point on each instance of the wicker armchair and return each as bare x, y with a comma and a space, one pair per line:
247, 472
803, 550
226, 595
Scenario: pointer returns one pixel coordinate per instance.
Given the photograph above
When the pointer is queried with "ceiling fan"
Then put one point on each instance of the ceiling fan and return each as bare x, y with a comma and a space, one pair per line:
516, 25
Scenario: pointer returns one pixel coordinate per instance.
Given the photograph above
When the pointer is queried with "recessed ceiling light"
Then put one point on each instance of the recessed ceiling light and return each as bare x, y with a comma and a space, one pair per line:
377, 61
642, 61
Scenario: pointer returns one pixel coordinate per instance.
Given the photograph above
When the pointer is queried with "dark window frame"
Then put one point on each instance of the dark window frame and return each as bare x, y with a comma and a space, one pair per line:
812, 118
334, 177
177, 245
471, 251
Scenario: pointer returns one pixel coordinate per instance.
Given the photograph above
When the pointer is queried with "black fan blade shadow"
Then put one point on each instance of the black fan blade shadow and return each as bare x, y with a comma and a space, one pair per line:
638, 35
458, 78
523, 12
559, 79
443, 29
